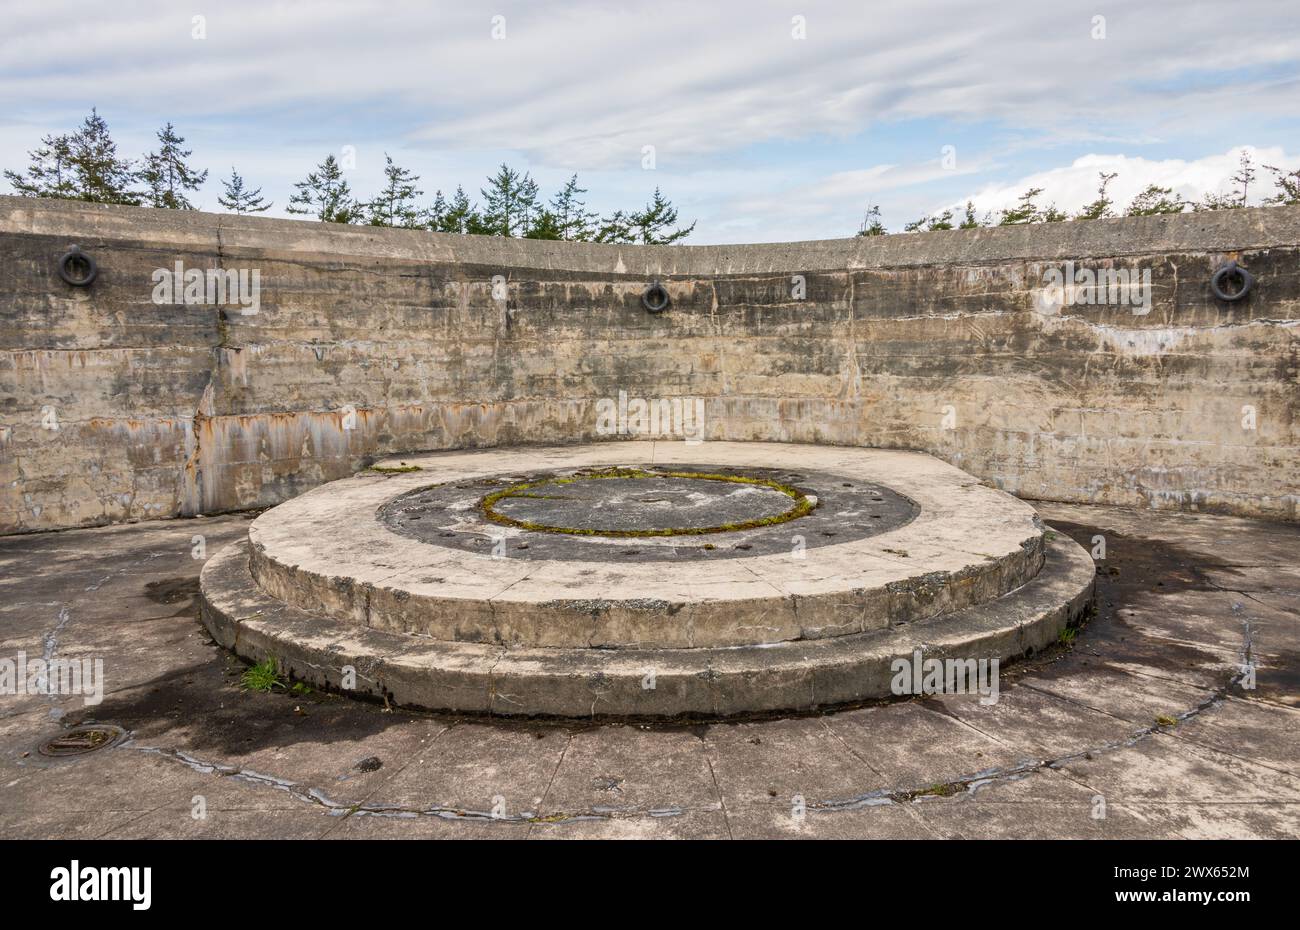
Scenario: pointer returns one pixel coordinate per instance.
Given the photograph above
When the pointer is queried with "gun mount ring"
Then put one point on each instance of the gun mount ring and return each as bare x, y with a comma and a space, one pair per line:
654, 298
1227, 270
73, 261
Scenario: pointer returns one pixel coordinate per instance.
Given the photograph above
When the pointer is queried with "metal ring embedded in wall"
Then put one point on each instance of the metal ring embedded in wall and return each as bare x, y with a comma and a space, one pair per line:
1225, 271
74, 257
654, 298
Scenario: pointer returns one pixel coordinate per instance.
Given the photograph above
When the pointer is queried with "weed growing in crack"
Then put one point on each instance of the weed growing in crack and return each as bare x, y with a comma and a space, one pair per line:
264, 676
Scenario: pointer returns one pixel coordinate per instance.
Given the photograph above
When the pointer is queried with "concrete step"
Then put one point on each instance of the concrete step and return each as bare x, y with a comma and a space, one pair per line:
796, 675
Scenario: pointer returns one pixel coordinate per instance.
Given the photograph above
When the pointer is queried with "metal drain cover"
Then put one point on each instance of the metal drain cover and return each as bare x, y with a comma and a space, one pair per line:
81, 740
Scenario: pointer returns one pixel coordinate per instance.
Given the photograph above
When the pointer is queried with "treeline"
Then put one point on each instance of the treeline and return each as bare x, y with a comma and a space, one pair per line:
1151, 201
84, 165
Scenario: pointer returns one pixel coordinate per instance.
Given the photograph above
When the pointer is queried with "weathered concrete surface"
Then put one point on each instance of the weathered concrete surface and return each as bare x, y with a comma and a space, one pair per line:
1181, 598
328, 553
803, 675
370, 342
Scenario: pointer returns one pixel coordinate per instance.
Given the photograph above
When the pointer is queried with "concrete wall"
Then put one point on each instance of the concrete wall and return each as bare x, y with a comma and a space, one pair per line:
176, 409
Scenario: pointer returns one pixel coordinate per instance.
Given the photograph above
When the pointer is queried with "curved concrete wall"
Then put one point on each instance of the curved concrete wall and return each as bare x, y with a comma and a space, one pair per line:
372, 341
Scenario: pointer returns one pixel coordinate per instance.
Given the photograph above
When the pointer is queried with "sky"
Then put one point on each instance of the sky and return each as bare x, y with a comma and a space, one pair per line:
762, 121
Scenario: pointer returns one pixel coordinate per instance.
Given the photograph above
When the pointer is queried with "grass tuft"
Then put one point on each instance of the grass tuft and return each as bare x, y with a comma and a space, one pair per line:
264, 676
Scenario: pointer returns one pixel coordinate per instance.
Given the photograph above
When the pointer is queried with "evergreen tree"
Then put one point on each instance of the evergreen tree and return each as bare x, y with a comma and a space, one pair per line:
969, 221
476, 225
239, 200
546, 226
81, 166
395, 205
510, 200
614, 228
436, 215
1024, 211
1245, 174
650, 225
100, 176
1101, 207
326, 194
871, 225
529, 201
455, 216
1288, 187
1155, 200
166, 174
1053, 215
1214, 201
940, 221
50, 173
930, 223
573, 220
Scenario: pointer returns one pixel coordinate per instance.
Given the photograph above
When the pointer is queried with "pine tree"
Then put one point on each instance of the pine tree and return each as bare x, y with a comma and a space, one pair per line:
546, 226
1053, 215
457, 216
970, 221
1024, 211
326, 194
614, 228
239, 200
395, 205
1288, 187
50, 173
1155, 200
530, 204
166, 174
572, 218
101, 177
509, 202
436, 214
81, 166
871, 225
1101, 207
1245, 174
931, 223
649, 226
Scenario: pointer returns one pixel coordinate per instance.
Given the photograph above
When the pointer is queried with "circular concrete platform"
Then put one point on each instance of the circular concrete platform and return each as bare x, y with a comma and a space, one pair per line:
734, 576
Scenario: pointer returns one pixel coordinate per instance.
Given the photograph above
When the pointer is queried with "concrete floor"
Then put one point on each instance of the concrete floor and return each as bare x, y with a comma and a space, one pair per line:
1182, 598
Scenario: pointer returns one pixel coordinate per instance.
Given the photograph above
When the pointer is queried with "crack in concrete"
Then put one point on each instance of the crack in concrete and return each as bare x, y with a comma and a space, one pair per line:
335, 808
963, 785
970, 784
49, 646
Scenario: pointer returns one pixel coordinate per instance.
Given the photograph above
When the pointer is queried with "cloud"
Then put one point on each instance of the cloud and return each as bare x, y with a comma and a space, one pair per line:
588, 84
833, 205
1072, 186
754, 131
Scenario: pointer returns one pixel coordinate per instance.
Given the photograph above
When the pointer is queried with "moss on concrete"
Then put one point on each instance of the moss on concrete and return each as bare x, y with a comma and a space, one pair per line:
394, 469
803, 505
